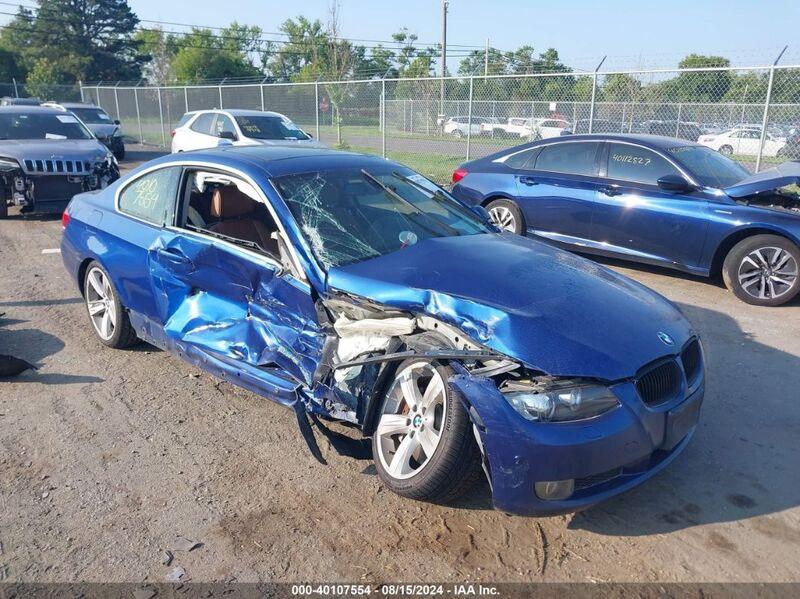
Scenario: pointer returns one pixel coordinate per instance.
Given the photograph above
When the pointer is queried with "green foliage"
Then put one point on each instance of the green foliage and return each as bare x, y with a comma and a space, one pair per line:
75, 39
202, 55
43, 79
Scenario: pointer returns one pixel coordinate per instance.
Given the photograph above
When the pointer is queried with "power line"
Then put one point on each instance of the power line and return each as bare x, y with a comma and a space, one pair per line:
384, 44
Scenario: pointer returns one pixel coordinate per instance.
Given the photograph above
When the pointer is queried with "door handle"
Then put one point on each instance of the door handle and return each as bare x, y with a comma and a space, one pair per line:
173, 255
528, 180
610, 191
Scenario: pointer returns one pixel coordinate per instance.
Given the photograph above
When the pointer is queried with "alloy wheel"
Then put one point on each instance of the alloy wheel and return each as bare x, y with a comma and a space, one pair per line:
411, 425
768, 273
100, 303
503, 218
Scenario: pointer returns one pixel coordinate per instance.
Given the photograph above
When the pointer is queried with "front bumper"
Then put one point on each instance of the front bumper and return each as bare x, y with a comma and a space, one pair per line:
51, 192
116, 144
605, 456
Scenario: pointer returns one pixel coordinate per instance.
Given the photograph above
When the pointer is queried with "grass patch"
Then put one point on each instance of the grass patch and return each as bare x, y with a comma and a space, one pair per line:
435, 167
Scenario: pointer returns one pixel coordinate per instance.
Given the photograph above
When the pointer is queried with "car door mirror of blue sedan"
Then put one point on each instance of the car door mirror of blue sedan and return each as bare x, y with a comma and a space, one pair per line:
482, 213
675, 183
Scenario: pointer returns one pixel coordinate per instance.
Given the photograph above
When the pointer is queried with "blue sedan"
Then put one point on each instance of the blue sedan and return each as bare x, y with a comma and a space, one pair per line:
656, 200
353, 288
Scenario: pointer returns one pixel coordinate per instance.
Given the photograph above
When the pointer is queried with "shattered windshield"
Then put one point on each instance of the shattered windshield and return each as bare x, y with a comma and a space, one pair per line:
711, 168
350, 215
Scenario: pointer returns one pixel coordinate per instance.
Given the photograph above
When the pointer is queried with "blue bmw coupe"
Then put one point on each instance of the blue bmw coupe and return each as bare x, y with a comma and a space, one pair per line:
657, 200
353, 288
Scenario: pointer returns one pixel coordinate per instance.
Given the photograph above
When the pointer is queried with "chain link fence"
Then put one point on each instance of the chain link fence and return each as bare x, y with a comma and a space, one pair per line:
434, 124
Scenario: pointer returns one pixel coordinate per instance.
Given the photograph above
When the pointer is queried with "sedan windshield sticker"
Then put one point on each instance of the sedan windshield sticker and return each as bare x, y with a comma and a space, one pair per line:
66, 118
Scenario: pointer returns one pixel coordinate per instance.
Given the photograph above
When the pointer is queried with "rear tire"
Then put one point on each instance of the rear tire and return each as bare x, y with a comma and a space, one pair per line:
506, 215
418, 408
762, 270
107, 315
120, 154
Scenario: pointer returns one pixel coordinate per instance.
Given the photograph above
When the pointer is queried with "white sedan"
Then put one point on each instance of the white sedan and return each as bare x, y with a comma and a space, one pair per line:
210, 128
742, 141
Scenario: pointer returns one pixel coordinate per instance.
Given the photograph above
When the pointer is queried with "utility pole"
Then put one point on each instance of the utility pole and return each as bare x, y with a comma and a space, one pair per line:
486, 59
444, 56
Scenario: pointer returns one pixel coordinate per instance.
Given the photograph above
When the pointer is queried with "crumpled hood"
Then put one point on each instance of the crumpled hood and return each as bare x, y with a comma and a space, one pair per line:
103, 130
554, 311
44, 149
782, 175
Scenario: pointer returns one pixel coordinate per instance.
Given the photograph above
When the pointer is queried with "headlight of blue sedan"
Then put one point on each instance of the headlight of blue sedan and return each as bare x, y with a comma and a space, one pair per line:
560, 401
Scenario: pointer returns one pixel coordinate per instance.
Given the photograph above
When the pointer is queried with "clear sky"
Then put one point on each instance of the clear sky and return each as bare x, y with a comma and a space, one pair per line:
631, 32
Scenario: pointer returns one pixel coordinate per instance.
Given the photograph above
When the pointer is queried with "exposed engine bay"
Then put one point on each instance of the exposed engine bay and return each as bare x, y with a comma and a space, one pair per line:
52, 181
778, 199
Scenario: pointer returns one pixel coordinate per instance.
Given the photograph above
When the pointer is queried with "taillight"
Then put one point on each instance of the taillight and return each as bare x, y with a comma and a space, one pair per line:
172, 133
64, 219
459, 174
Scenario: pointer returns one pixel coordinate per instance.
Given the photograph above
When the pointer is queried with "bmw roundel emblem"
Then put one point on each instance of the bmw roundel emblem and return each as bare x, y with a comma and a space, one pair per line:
666, 339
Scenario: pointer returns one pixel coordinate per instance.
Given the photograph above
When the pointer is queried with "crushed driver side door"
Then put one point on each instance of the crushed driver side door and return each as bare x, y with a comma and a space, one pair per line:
236, 312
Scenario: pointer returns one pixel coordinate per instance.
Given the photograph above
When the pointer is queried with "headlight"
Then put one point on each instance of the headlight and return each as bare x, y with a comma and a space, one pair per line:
8, 164
111, 159
561, 401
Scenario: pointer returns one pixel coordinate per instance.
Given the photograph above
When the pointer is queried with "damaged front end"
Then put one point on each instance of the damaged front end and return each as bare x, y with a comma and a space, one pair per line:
47, 185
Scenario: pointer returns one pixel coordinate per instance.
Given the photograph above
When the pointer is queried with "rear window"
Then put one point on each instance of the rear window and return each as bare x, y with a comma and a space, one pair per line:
202, 124
571, 158
184, 119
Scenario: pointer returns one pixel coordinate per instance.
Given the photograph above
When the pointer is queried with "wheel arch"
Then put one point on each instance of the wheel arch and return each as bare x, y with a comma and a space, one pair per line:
82, 268
498, 196
727, 244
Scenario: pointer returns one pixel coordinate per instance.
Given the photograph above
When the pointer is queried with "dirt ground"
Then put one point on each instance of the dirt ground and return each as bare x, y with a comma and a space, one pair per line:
107, 456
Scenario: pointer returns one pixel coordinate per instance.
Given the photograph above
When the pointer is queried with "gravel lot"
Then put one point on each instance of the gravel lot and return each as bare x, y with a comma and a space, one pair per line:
107, 456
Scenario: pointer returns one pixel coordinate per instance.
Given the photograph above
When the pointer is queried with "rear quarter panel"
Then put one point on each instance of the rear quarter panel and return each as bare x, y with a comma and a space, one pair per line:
488, 180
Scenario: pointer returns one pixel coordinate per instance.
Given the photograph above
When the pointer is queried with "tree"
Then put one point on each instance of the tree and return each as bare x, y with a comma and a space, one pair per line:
43, 79
85, 40
701, 86
621, 87
10, 67
161, 48
201, 55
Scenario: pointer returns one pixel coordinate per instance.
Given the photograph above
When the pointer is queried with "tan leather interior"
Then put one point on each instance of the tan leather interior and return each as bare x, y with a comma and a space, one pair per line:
237, 213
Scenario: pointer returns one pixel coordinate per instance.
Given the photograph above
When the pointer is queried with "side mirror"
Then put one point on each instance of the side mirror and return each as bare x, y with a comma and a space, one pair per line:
116, 122
675, 183
222, 142
482, 213
229, 135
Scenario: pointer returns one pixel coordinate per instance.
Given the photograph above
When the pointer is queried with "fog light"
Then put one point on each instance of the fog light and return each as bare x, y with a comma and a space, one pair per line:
19, 199
552, 490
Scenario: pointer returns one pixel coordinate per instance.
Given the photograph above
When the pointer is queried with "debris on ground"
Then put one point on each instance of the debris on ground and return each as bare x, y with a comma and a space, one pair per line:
166, 558
176, 574
184, 544
144, 594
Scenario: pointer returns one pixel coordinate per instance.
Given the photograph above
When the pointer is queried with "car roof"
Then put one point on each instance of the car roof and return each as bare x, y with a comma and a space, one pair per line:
239, 112
276, 161
660, 142
19, 109
74, 104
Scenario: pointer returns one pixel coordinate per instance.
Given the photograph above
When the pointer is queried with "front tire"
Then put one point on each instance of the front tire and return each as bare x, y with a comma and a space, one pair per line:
763, 270
726, 150
107, 315
506, 215
423, 445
